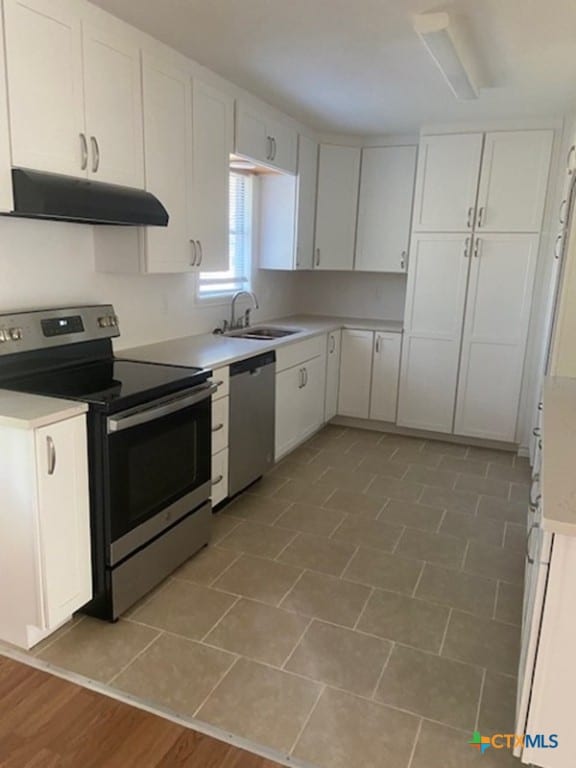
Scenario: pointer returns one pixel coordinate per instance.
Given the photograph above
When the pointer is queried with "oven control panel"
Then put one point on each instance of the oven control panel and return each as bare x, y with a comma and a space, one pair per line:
28, 331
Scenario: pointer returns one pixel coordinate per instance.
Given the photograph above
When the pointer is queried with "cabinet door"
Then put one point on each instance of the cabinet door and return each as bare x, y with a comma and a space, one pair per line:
113, 99
312, 397
284, 145
64, 518
495, 333
6, 201
212, 139
289, 385
385, 374
332, 374
307, 185
338, 176
277, 215
385, 208
44, 69
434, 316
513, 181
355, 373
168, 150
447, 182
252, 140
219, 477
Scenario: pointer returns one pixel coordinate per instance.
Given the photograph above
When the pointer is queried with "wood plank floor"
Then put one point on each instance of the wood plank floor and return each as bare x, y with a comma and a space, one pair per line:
47, 722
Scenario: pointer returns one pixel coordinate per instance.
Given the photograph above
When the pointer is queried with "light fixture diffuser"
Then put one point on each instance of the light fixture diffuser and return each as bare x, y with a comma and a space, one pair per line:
438, 34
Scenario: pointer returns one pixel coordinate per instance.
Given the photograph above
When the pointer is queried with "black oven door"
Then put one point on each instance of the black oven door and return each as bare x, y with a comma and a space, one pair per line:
159, 467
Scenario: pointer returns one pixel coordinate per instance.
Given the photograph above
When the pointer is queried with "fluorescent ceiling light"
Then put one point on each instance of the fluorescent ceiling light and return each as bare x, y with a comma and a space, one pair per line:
438, 34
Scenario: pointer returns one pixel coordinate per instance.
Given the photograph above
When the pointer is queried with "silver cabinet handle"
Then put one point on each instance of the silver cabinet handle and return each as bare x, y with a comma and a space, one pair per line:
268, 147
571, 157
332, 344
218, 427
563, 210
403, 260
305, 372
194, 253
469, 219
300, 378
274, 148
558, 246
481, 212
477, 248
317, 257
95, 154
51, 455
537, 432
467, 247
83, 152
217, 479
533, 527
201, 253
378, 344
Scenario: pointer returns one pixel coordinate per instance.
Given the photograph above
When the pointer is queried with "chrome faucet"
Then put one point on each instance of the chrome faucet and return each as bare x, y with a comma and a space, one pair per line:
243, 322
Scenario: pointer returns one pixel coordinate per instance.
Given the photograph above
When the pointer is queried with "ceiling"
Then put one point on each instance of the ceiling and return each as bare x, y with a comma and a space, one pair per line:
356, 66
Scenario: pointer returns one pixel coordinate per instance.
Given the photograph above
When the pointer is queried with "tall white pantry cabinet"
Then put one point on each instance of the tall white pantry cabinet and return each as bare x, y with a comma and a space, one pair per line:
478, 210
45, 551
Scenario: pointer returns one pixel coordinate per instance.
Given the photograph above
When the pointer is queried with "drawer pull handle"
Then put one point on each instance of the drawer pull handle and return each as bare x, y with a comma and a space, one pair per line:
217, 479
533, 527
51, 455
218, 427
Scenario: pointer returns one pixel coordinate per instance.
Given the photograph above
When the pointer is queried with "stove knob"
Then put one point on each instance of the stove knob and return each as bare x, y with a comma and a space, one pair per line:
114, 321
104, 322
15, 334
4, 335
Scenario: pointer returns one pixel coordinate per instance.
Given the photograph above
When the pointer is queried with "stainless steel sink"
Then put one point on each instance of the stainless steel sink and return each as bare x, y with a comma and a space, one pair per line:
263, 333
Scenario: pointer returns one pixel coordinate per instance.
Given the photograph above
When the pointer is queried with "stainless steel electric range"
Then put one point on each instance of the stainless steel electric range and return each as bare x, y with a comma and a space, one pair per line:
149, 438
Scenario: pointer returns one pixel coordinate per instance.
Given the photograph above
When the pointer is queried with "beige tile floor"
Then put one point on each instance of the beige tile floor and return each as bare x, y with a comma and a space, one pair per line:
359, 607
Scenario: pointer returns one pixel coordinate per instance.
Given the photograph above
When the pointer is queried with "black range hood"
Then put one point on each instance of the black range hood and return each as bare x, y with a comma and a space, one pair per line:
40, 195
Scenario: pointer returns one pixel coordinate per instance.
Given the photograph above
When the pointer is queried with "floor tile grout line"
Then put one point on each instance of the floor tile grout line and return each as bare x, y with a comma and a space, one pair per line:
394, 549
323, 687
497, 593
54, 638
382, 672
479, 707
227, 568
135, 658
288, 591
285, 547
226, 672
297, 644
465, 555
220, 620
363, 609
445, 635
352, 556
443, 517
415, 745
418, 580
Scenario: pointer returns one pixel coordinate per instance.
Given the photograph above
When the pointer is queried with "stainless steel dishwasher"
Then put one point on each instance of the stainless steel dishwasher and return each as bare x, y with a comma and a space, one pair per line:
252, 414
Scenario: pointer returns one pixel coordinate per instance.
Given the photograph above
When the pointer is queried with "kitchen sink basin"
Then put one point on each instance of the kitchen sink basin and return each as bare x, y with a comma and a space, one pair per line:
262, 333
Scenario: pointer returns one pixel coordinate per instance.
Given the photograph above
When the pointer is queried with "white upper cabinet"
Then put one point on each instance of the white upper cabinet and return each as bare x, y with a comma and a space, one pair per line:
513, 181
265, 139
75, 94
6, 201
434, 316
447, 182
385, 208
495, 333
44, 70
307, 185
113, 107
385, 374
212, 143
338, 177
168, 156
355, 373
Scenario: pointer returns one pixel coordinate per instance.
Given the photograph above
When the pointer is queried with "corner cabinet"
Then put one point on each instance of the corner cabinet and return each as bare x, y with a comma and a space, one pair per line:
45, 552
332, 374
265, 139
75, 94
336, 208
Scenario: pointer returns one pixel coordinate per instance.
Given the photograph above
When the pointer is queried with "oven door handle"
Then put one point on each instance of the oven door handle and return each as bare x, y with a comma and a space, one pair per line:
151, 414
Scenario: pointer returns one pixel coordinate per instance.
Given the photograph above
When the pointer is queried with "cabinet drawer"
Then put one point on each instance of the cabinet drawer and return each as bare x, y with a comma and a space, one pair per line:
219, 477
294, 354
220, 424
221, 376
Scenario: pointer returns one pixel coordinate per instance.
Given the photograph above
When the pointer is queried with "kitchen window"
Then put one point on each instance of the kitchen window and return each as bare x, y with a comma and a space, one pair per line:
214, 285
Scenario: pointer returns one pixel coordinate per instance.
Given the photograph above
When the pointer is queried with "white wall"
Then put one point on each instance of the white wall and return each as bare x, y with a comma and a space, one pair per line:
360, 294
45, 264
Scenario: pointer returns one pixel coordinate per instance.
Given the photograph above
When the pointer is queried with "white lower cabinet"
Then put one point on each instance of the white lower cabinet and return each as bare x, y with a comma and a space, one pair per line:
385, 375
219, 477
300, 393
45, 553
369, 371
332, 374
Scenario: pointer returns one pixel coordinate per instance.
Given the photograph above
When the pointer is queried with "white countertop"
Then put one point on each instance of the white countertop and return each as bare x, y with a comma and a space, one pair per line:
23, 411
559, 456
210, 350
